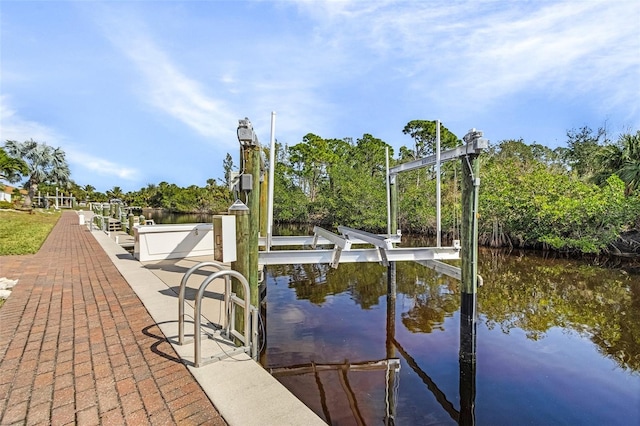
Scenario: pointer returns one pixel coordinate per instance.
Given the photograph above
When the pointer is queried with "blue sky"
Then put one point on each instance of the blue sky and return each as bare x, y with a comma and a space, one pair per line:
139, 92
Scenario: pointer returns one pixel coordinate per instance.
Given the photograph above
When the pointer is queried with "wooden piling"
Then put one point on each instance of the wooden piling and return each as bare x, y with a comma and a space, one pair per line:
131, 223
251, 155
241, 264
469, 282
469, 230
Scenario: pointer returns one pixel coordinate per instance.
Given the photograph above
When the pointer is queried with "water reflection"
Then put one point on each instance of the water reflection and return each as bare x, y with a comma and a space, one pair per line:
539, 320
534, 294
520, 291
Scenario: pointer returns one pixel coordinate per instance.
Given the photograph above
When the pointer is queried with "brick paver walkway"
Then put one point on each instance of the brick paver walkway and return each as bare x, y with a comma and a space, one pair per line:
78, 347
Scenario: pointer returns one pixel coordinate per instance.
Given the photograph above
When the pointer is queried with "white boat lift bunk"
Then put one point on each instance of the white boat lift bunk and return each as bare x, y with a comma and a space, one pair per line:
384, 249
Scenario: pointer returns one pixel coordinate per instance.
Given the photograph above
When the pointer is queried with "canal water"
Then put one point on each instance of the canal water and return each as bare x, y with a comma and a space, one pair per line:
557, 343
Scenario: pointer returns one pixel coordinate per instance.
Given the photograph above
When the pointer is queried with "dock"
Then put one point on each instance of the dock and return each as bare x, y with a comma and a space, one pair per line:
89, 336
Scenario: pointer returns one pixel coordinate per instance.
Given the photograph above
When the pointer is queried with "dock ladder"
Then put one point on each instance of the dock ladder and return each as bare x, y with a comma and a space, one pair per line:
248, 337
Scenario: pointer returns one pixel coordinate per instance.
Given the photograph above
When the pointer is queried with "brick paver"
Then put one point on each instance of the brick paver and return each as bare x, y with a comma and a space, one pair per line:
78, 347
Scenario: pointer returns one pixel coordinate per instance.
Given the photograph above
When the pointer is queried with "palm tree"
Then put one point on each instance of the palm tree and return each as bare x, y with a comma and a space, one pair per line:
115, 192
11, 169
622, 159
44, 163
89, 190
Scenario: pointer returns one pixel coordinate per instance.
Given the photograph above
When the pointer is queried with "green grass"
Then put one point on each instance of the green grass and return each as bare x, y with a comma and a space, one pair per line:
24, 233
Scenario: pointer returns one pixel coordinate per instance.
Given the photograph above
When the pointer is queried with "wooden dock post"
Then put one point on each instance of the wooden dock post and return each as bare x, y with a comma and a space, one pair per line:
469, 280
250, 153
131, 223
241, 264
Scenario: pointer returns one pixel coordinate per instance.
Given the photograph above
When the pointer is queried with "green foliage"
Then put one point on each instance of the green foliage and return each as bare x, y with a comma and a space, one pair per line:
577, 198
45, 164
11, 169
424, 135
583, 146
526, 202
622, 159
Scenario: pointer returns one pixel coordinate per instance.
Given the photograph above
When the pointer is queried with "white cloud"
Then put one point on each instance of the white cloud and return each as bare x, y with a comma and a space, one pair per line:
479, 52
100, 166
165, 86
14, 127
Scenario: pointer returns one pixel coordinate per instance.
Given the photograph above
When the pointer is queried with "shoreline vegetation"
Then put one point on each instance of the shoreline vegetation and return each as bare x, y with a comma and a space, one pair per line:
582, 199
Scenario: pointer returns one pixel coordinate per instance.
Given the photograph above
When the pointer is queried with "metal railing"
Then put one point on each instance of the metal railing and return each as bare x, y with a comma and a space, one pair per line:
250, 314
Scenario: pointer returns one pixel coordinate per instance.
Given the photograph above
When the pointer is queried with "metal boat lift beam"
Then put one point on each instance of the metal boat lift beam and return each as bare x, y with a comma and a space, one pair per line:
307, 240
475, 146
340, 243
383, 244
288, 257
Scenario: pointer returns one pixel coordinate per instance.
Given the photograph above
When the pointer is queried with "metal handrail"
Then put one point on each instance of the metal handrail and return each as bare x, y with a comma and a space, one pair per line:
183, 285
246, 338
230, 301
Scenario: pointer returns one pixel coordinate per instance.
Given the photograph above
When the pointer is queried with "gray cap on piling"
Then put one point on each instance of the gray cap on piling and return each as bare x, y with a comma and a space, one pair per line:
238, 208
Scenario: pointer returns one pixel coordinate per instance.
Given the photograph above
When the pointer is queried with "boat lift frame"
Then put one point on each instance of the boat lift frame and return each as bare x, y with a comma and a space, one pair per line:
385, 249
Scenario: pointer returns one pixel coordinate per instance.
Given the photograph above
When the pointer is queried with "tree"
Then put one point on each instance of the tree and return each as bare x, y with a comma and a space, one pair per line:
227, 166
622, 159
310, 160
115, 192
11, 169
45, 164
583, 146
89, 190
423, 133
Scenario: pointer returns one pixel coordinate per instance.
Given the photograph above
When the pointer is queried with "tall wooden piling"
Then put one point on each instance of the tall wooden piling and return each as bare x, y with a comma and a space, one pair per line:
469, 230
252, 166
469, 281
250, 188
241, 264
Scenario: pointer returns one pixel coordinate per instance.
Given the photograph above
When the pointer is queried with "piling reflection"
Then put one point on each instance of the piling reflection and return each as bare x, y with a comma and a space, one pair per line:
522, 291
320, 317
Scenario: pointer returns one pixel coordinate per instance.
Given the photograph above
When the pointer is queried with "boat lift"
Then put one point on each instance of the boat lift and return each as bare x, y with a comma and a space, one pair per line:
384, 246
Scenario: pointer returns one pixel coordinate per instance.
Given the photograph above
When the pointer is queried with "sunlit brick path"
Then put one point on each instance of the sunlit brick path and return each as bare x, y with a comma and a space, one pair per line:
78, 347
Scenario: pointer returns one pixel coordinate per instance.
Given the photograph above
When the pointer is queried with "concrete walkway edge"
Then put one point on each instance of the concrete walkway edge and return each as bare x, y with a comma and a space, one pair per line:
242, 391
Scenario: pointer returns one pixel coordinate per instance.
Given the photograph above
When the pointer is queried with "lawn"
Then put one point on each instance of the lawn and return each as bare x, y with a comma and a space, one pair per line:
24, 233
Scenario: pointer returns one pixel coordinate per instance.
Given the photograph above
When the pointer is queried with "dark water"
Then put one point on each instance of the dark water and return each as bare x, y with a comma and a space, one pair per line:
558, 342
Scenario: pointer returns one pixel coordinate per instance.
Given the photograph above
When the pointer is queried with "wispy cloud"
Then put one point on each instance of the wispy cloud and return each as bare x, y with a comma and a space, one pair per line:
100, 166
481, 51
165, 86
14, 127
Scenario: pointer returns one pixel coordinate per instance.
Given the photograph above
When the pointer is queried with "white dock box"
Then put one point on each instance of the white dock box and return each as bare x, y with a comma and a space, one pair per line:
224, 238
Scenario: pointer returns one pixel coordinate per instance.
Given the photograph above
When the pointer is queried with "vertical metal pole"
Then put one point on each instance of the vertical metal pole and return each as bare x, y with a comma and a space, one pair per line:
264, 182
386, 155
393, 183
56, 198
272, 169
438, 215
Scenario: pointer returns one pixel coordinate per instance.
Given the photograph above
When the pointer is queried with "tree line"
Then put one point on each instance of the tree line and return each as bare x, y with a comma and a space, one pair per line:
577, 198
